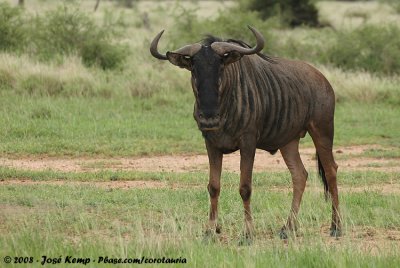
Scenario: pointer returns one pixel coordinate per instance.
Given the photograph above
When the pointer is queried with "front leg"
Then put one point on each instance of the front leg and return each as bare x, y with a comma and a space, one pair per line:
214, 186
247, 153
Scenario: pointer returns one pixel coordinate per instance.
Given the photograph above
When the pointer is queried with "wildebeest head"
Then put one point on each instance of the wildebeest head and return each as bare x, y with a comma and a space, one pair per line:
206, 63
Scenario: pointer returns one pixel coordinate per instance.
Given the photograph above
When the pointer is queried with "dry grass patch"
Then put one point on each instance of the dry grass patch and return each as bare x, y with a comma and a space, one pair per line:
352, 14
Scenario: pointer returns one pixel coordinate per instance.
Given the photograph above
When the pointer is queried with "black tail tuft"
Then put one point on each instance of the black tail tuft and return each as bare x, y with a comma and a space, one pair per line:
321, 172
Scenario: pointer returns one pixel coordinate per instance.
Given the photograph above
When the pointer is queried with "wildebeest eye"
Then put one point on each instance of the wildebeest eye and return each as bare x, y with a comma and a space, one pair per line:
226, 54
187, 57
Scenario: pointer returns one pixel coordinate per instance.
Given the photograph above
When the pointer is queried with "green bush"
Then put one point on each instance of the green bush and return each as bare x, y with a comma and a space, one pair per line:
12, 32
372, 48
189, 29
64, 32
103, 54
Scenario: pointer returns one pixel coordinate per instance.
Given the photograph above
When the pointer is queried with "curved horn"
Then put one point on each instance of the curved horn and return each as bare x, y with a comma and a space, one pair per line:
188, 50
153, 47
224, 47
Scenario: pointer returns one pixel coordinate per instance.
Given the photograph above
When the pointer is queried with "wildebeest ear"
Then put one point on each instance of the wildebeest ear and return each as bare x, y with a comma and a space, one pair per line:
180, 60
231, 57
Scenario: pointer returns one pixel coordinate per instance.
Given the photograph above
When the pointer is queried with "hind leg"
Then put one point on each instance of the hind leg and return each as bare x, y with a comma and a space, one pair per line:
323, 139
290, 153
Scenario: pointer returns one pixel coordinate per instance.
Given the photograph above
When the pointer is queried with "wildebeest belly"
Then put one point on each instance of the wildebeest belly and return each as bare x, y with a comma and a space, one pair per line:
280, 139
227, 143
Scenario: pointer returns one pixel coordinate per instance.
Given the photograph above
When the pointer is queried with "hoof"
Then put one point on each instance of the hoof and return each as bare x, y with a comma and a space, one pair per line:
282, 234
335, 232
209, 237
245, 240
218, 229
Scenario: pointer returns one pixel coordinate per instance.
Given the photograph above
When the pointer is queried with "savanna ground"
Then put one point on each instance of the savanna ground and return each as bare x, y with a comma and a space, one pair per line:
100, 162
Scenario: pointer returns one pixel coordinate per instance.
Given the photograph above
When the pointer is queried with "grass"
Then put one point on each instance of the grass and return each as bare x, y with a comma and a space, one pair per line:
162, 124
65, 220
382, 153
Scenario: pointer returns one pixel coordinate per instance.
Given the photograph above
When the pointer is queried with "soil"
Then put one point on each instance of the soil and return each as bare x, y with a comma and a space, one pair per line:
348, 158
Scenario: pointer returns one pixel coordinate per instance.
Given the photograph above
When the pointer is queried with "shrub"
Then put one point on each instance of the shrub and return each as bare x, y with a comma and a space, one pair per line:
229, 24
12, 33
64, 32
372, 48
103, 54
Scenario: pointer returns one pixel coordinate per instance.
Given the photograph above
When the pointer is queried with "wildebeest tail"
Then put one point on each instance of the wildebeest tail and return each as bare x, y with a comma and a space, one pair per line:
321, 173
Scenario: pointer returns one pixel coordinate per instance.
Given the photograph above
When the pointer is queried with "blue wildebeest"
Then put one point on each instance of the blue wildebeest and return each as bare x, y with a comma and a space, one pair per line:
247, 100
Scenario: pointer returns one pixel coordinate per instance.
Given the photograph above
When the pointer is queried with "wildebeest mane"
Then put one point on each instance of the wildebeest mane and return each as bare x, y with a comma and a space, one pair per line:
209, 39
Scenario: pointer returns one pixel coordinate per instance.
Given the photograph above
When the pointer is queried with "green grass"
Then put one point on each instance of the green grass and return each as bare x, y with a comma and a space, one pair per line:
382, 153
85, 126
75, 220
162, 124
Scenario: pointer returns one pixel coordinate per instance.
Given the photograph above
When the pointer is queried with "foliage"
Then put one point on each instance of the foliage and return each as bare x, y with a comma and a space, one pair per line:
60, 33
66, 32
369, 47
292, 12
12, 31
188, 28
103, 54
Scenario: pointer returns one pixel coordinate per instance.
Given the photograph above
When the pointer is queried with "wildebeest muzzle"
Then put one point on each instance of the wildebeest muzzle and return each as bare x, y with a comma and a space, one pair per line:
207, 121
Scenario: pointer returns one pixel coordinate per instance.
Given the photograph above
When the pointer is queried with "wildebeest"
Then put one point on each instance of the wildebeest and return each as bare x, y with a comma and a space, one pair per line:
247, 100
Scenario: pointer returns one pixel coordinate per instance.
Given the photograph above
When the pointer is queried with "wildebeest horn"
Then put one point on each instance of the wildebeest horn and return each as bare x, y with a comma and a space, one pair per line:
188, 50
153, 47
224, 47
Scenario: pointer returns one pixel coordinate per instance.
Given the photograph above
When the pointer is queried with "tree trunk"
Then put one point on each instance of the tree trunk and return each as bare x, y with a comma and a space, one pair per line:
97, 5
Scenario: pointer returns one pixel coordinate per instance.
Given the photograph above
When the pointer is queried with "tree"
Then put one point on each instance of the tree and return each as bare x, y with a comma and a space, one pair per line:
96, 5
293, 12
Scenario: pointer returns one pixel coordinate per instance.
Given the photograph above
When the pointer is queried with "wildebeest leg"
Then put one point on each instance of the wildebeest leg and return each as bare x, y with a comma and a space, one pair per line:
322, 136
290, 153
247, 153
214, 186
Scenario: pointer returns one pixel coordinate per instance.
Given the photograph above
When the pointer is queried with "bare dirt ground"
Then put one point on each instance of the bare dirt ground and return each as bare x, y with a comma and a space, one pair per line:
348, 158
